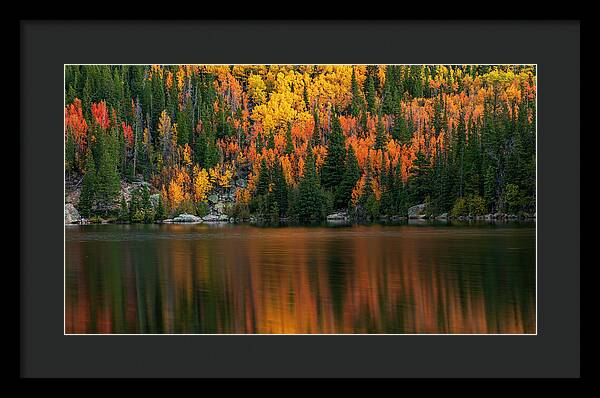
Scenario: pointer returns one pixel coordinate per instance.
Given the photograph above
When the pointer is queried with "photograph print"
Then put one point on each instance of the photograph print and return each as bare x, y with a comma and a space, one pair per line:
300, 199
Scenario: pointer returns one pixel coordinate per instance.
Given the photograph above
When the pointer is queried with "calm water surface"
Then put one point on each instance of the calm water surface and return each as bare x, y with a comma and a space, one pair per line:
349, 279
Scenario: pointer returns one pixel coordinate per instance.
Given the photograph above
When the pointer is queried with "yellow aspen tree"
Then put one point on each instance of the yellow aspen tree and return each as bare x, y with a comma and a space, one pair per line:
202, 184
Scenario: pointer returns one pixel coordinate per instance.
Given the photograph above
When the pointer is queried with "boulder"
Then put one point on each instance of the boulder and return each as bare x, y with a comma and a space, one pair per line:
341, 216
397, 218
187, 218
213, 198
417, 211
72, 216
154, 200
219, 207
216, 218
442, 216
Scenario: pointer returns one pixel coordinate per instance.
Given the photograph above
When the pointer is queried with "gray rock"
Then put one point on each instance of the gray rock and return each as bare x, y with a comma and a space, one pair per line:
72, 216
219, 207
215, 218
187, 218
213, 198
442, 216
154, 200
417, 211
337, 216
397, 218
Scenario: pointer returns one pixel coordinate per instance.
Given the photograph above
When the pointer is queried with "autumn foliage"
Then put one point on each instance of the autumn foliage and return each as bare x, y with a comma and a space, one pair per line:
203, 127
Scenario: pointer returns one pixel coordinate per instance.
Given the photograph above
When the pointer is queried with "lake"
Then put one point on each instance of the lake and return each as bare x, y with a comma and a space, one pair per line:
354, 279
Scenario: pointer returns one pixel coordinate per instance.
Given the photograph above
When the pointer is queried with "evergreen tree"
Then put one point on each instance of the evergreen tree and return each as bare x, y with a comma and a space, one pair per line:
390, 95
88, 189
158, 98
310, 197
400, 194
264, 179
160, 209
386, 182
146, 205
136, 214
368, 201
108, 182
370, 94
280, 190
123, 210
381, 135
418, 181
184, 125
332, 171
400, 131
490, 187
349, 180
357, 104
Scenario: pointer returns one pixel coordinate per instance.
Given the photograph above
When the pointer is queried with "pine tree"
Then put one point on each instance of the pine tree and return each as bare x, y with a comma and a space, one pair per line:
184, 125
280, 190
316, 137
146, 205
390, 100
400, 131
381, 138
123, 210
88, 189
357, 104
370, 93
489, 193
160, 209
386, 182
349, 180
305, 98
108, 182
264, 179
135, 211
400, 194
368, 200
333, 168
309, 200
419, 179
158, 98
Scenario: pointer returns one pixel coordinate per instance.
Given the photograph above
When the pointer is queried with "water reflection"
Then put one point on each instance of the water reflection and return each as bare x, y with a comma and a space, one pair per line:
352, 279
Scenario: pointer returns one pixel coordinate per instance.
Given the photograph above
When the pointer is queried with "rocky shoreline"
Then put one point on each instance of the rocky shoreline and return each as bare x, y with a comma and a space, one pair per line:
72, 218
219, 202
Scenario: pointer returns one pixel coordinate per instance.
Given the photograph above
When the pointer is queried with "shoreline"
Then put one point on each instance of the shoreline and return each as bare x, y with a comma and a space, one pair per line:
328, 223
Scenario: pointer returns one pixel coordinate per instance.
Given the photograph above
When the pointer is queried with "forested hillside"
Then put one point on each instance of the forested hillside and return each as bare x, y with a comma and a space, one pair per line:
301, 142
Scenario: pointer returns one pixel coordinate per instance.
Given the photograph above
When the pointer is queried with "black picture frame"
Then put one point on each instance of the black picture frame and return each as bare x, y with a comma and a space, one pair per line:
47, 45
